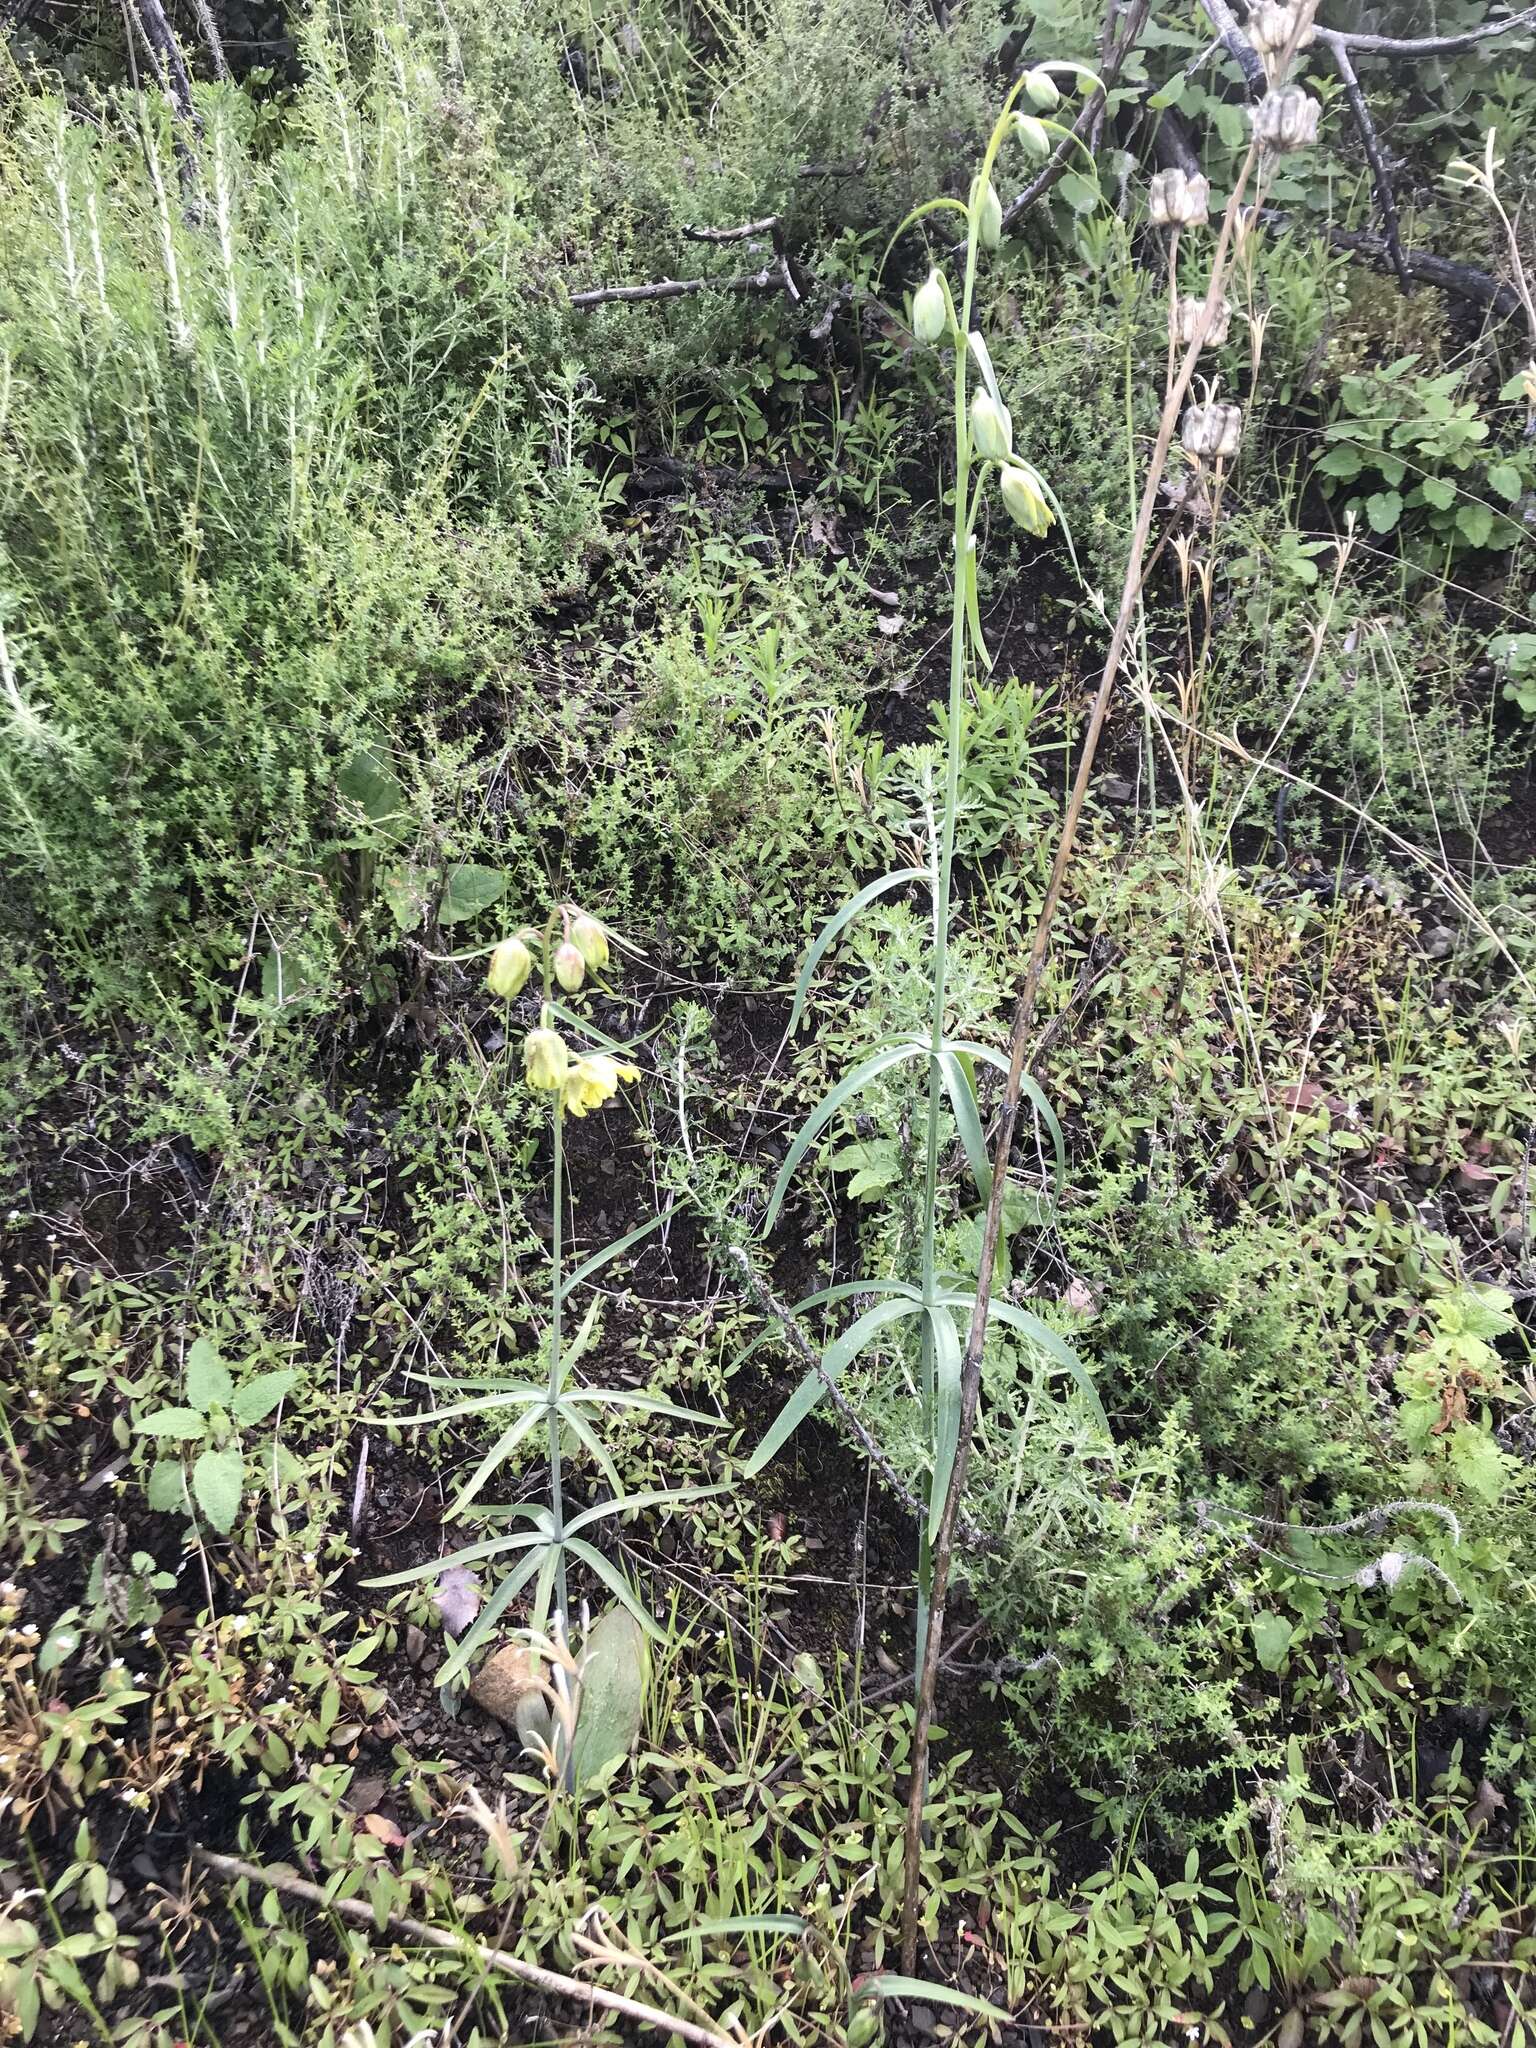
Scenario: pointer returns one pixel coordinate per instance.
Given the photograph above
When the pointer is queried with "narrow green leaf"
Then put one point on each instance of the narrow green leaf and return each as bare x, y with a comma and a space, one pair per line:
497, 1455
648, 1497
836, 924
946, 1410
1055, 1348
599, 1259
827, 1108
962, 1098
605, 1569
472, 1553
885, 1984
585, 1434
973, 607
540, 1552
834, 1360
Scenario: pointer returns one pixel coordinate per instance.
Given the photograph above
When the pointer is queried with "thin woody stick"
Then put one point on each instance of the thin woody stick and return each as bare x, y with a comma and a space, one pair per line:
235, 1868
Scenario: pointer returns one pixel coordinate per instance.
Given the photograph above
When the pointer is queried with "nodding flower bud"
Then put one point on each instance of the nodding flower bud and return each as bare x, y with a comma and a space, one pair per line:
1286, 118
991, 428
1211, 432
1024, 497
1179, 199
1033, 138
1275, 26
511, 965
545, 1059
1042, 91
570, 968
930, 310
590, 941
1184, 322
990, 223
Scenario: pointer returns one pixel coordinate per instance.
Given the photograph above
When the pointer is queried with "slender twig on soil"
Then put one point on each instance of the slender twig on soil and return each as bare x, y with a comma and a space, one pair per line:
769, 279
1023, 1019
358, 1910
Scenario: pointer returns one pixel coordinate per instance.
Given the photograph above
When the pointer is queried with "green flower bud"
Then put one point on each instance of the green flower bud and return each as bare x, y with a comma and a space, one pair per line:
1033, 139
545, 1059
990, 225
590, 941
511, 965
991, 429
1042, 91
570, 968
930, 310
1024, 496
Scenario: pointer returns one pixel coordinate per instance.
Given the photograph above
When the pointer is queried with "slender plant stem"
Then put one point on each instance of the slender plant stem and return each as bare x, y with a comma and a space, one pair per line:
556, 1493
1023, 1020
943, 884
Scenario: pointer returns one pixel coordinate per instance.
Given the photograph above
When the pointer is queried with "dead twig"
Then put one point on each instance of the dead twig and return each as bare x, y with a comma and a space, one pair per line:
769, 279
235, 1868
779, 275
1365, 128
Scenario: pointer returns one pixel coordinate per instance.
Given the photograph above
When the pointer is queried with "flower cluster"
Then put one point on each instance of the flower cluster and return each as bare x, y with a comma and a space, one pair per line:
578, 1081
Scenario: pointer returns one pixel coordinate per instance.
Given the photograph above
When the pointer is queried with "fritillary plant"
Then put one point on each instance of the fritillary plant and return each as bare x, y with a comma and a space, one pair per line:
986, 460
573, 1069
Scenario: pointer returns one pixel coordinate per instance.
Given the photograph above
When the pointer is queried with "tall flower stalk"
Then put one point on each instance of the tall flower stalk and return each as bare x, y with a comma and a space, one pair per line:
983, 455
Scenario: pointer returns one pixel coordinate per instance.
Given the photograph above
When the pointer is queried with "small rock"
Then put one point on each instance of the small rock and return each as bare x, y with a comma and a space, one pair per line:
1116, 789
502, 1680
1438, 942
921, 2020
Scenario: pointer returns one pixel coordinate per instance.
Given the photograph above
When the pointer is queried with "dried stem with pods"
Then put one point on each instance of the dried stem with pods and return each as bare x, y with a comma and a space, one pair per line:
1283, 119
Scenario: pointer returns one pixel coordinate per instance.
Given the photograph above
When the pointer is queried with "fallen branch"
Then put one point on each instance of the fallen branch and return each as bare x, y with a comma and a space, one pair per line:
1427, 46
769, 279
779, 275
1365, 128
1463, 279
358, 1910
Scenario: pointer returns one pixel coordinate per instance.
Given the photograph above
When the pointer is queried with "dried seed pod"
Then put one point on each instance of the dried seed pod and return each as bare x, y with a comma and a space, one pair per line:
1177, 199
1211, 432
1184, 322
1286, 119
1275, 26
